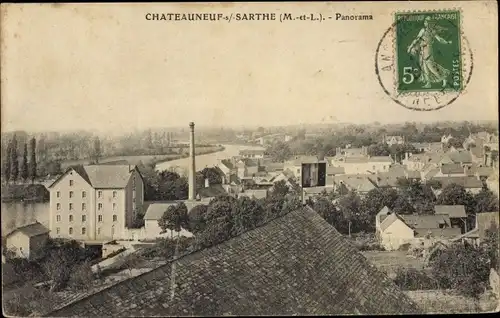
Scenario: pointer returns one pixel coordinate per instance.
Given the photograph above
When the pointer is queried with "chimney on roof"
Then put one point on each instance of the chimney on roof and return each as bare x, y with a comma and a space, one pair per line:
192, 166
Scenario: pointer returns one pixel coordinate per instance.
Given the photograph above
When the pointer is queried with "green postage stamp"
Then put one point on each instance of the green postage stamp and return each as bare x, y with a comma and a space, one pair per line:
423, 60
428, 51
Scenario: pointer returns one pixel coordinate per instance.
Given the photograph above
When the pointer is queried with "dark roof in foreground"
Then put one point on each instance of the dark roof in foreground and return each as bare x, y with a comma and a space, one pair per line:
296, 264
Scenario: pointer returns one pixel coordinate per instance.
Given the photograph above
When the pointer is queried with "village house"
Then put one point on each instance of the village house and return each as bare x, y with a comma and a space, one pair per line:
252, 153
295, 165
456, 213
431, 147
27, 241
484, 221
95, 203
394, 230
247, 167
393, 140
471, 183
362, 165
357, 182
228, 169
254, 193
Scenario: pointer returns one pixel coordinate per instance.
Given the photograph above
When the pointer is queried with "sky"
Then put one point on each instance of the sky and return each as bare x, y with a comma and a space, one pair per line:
105, 67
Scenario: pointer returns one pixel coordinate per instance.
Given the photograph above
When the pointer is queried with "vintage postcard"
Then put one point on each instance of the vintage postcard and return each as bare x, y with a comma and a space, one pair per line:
210, 159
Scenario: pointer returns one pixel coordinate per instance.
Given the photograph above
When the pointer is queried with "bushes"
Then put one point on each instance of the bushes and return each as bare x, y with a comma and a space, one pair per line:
413, 279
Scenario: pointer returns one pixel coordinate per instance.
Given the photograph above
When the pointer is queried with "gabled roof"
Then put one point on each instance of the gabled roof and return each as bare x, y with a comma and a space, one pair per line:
30, 230
103, 176
453, 211
452, 168
460, 156
297, 264
467, 182
247, 162
425, 221
388, 220
386, 159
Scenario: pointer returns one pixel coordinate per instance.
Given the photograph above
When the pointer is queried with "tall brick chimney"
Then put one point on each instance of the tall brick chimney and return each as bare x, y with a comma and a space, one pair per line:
192, 166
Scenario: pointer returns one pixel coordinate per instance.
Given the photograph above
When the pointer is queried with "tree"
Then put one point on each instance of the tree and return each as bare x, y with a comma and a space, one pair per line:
279, 151
32, 163
248, 214
455, 194
491, 245
280, 189
24, 165
327, 210
7, 163
97, 151
219, 220
82, 277
14, 159
60, 264
464, 268
351, 207
197, 222
402, 204
486, 201
174, 219
377, 198
212, 175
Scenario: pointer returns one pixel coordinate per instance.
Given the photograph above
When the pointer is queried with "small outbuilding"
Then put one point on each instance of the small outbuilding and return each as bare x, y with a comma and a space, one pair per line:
27, 241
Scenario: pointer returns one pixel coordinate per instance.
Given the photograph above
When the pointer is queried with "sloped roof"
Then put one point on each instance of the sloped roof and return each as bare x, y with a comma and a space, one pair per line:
103, 176
387, 159
431, 173
425, 221
257, 193
484, 171
31, 230
358, 183
452, 168
460, 156
412, 174
297, 264
453, 211
388, 220
446, 233
274, 166
467, 182
247, 162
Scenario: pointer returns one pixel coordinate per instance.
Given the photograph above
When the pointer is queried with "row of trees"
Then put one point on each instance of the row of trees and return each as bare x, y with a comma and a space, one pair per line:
13, 170
225, 216
352, 213
169, 185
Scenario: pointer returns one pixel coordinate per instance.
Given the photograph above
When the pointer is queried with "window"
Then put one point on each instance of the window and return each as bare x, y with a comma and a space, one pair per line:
84, 194
71, 206
58, 230
59, 206
84, 230
115, 218
84, 218
114, 194
99, 194
70, 231
99, 218
98, 231
70, 183
71, 218
99, 206
71, 194
58, 218
114, 206
84, 207
58, 194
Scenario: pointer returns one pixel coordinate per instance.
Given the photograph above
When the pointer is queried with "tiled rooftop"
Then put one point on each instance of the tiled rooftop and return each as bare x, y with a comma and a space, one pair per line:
297, 264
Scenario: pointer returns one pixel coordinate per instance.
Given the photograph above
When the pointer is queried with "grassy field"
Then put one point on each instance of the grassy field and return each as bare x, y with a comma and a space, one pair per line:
448, 302
389, 261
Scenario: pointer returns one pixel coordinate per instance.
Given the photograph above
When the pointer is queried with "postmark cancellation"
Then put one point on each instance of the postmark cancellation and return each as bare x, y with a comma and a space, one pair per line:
424, 61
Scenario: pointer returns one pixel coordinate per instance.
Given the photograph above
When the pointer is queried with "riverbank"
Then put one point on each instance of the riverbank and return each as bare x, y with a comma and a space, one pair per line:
29, 193
197, 153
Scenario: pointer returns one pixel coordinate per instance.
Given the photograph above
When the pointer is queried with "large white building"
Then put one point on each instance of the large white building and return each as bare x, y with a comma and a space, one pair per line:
95, 202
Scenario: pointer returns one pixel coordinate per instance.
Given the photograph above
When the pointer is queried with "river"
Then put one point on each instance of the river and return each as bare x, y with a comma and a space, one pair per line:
203, 161
20, 213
